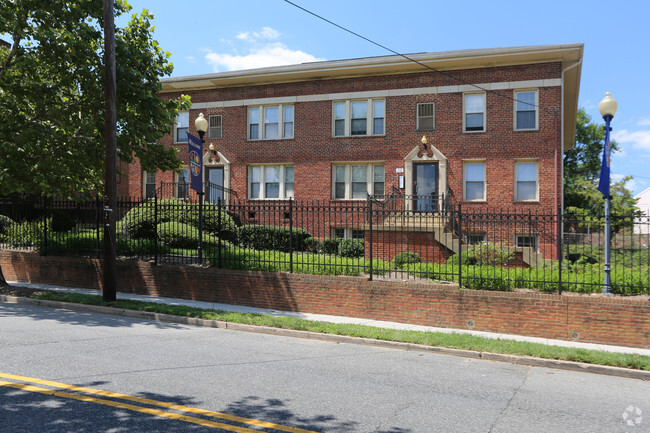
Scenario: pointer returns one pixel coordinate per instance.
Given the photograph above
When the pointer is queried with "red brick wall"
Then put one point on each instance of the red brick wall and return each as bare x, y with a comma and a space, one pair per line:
588, 319
313, 148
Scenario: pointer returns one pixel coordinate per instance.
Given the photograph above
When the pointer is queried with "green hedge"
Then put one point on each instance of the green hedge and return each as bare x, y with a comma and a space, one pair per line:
405, 258
273, 238
179, 235
140, 222
351, 248
5, 223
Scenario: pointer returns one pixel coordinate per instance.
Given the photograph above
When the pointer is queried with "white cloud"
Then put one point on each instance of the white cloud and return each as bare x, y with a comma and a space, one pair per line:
266, 33
637, 139
190, 59
269, 55
644, 122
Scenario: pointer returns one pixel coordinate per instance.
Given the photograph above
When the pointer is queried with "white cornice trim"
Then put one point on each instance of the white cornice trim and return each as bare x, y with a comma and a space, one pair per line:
378, 94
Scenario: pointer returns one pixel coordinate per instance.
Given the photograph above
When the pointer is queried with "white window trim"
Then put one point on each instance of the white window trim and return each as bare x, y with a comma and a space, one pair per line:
514, 117
484, 112
370, 178
144, 184
282, 181
370, 117
261, 128
516, 176
177, 176
176, 125
347, 232
475, 161
417, 116
214, 127
527, 235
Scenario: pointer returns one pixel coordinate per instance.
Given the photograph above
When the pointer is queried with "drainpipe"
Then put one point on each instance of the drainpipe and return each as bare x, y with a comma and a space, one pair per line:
578, 63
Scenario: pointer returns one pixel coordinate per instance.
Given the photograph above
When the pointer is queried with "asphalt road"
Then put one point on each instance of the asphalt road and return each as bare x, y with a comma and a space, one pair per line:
144, 376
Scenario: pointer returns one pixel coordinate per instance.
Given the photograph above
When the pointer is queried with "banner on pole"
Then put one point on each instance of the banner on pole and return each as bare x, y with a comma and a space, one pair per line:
196, 163
603, 183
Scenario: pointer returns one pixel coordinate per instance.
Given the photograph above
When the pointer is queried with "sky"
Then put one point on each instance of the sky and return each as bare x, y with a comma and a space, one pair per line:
225, 35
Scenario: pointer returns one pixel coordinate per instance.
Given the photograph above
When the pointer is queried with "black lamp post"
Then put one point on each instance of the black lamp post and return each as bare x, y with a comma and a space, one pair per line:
201, 126
607, 109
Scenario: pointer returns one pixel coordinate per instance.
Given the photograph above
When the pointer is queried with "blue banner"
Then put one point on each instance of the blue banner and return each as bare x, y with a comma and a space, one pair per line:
603, 184
196, 163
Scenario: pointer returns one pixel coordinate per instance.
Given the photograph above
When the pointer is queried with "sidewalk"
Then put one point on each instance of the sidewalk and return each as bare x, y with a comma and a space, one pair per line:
341, 319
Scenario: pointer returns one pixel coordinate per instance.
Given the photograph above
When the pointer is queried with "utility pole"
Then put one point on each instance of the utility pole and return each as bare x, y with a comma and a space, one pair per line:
110, 137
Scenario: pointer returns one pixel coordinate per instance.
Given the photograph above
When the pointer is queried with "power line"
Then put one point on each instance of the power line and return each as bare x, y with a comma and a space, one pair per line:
407, 57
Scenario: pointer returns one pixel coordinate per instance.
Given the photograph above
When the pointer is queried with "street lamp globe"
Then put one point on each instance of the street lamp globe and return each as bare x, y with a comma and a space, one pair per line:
608, 105
201, 124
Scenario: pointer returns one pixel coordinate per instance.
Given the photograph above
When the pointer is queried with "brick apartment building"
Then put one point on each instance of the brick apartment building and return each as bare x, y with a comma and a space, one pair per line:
495, 122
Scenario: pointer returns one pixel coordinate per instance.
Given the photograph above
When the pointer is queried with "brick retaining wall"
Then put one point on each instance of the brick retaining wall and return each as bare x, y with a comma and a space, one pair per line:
616, 321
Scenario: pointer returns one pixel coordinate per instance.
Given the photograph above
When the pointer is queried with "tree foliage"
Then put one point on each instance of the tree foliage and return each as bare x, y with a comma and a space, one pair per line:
52, 96
582, 171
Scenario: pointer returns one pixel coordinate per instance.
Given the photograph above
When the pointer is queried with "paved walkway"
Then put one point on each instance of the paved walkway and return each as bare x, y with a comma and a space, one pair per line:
341, 319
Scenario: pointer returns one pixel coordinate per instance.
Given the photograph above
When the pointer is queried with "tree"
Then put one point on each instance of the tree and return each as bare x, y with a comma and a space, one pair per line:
52, 97
582, 171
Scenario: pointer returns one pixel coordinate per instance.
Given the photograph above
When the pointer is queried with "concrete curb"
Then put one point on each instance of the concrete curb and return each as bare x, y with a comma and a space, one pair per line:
513, 359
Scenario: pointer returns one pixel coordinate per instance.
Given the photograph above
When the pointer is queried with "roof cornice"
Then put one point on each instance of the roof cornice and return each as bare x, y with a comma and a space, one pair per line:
385, 65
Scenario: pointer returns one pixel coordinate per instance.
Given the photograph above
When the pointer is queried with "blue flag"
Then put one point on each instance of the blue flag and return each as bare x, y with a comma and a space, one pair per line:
196, 162
603, 184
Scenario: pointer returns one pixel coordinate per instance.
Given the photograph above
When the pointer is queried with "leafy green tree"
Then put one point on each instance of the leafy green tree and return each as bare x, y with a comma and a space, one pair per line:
52, 96
582, 171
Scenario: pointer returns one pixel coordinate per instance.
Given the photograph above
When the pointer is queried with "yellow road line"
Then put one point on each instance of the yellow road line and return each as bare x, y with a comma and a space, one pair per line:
127, 406
173, 406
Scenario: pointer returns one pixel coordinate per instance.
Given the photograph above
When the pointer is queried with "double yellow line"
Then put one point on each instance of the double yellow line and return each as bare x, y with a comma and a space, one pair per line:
148, 410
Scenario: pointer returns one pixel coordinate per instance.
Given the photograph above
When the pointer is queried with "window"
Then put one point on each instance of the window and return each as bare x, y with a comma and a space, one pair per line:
364, 117
183, 183
526, 241
149, 184
474, 112
270, 123
526, 184
270, 182
182, 127
474, 180
426, 119
356, 181
525, 109
215, 129
348, 233
475, 238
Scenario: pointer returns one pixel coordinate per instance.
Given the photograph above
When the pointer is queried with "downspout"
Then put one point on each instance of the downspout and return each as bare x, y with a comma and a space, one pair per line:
579, 62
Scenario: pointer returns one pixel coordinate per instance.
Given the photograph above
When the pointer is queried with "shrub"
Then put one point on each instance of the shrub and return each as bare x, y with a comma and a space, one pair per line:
312, 245
27, 233
63, 220
140, 247
273, 238
351, 248
179, 235
211, 223
140, 222
485, 254
5, 222
329, 246
405, 258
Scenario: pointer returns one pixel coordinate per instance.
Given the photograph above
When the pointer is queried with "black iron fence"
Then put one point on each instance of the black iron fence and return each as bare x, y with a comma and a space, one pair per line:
387, 237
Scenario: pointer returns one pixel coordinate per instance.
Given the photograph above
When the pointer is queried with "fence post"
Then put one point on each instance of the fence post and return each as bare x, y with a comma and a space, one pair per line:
370, 233
155, 228
460, 247
560, 247
44, 226
290, 235
98, 211
219, 232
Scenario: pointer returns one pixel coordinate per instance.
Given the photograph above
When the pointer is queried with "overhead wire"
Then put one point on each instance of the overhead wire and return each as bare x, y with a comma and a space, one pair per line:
453, 77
